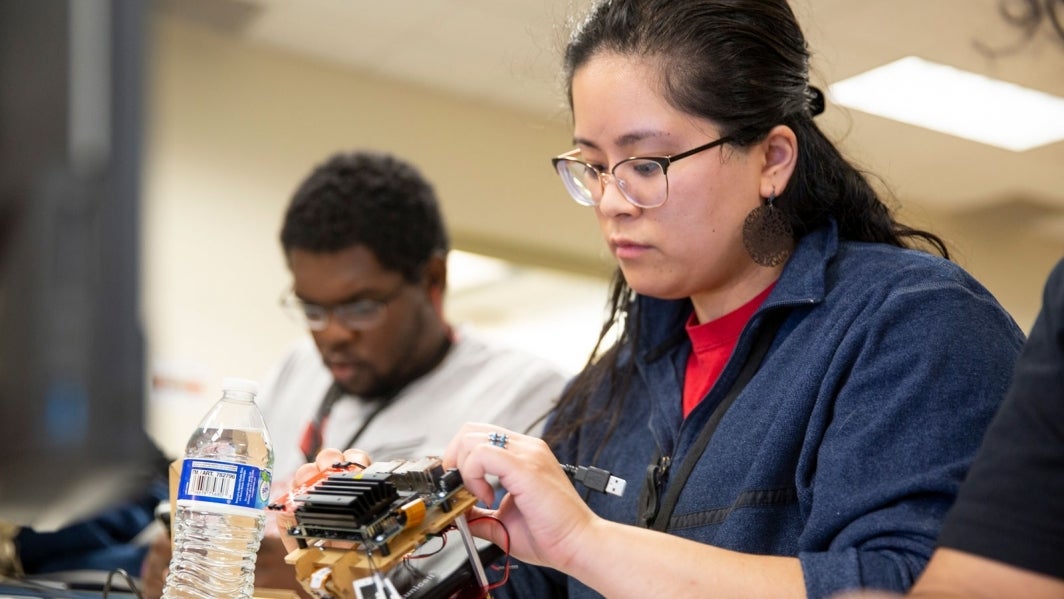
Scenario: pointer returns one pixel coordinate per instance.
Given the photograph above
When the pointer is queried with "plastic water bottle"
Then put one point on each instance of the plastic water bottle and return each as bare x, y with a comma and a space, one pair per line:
221, 499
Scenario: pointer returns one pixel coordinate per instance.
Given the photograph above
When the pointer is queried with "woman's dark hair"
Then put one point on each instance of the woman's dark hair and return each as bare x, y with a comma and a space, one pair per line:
370, 199
744, 65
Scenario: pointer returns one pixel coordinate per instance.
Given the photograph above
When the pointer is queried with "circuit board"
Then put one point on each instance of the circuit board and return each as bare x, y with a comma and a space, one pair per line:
352, 523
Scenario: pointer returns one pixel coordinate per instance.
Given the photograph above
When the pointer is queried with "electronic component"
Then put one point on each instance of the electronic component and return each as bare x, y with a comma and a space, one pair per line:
354, 524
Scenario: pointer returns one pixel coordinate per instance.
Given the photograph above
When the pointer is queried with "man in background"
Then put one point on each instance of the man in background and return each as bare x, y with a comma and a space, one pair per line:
383, 370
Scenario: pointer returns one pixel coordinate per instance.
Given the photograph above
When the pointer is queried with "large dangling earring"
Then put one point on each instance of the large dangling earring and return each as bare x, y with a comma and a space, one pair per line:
767, 235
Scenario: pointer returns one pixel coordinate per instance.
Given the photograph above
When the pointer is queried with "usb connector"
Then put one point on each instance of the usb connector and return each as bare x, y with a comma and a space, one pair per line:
596, 479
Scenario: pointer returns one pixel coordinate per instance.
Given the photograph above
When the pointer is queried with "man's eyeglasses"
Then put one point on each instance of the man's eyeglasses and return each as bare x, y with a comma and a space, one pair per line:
359, 315
643, 180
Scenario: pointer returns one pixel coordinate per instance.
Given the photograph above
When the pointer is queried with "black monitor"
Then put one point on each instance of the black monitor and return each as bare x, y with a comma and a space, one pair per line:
72, 378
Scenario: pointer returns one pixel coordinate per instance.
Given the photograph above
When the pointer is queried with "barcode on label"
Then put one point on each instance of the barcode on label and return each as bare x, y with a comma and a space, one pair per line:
210, 483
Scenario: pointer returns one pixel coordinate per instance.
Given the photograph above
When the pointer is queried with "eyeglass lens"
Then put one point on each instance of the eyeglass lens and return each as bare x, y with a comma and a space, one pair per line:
359, 315
642, 182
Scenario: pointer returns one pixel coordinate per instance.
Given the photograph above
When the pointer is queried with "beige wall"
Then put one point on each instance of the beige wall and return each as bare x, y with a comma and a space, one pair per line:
233, 127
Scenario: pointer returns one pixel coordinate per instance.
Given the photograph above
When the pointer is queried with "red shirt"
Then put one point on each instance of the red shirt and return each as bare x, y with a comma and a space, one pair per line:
711, 345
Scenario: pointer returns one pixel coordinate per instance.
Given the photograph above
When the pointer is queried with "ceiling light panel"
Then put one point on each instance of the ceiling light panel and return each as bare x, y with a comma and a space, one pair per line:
948, 100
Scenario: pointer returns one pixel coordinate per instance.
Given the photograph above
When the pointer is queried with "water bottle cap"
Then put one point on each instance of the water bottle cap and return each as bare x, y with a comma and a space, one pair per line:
239, 384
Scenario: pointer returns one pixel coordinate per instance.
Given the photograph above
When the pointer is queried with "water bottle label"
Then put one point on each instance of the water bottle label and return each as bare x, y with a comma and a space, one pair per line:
224, 485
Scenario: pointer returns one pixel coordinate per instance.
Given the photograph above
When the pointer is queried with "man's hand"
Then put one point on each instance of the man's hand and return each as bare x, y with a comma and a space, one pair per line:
271, 571
156, 566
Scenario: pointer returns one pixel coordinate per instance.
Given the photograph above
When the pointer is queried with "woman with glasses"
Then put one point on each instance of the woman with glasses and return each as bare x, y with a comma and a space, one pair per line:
791, 383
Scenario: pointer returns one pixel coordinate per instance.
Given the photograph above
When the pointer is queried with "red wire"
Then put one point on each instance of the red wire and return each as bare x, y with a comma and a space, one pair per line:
505, 549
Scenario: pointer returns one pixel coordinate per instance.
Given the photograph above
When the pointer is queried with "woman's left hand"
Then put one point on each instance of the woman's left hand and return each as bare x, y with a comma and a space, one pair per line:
324, 461
544, 516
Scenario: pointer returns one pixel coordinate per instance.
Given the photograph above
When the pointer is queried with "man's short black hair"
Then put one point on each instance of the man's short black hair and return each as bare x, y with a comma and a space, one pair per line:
370, 199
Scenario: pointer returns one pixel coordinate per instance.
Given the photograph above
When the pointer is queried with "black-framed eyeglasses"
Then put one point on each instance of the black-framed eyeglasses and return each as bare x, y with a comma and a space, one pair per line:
643, 180
359, 315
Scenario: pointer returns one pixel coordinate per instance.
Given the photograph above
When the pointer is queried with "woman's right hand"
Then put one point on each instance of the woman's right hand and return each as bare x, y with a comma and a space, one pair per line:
544, 517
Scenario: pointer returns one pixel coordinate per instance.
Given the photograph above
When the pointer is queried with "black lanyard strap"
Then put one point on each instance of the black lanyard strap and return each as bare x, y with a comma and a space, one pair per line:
657, 512
315, 434
334, 393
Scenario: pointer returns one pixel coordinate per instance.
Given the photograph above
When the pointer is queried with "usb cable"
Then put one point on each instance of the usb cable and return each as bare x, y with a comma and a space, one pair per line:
596, 479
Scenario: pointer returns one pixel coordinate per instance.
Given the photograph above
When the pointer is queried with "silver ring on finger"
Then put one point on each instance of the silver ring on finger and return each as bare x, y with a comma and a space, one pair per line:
498, 439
